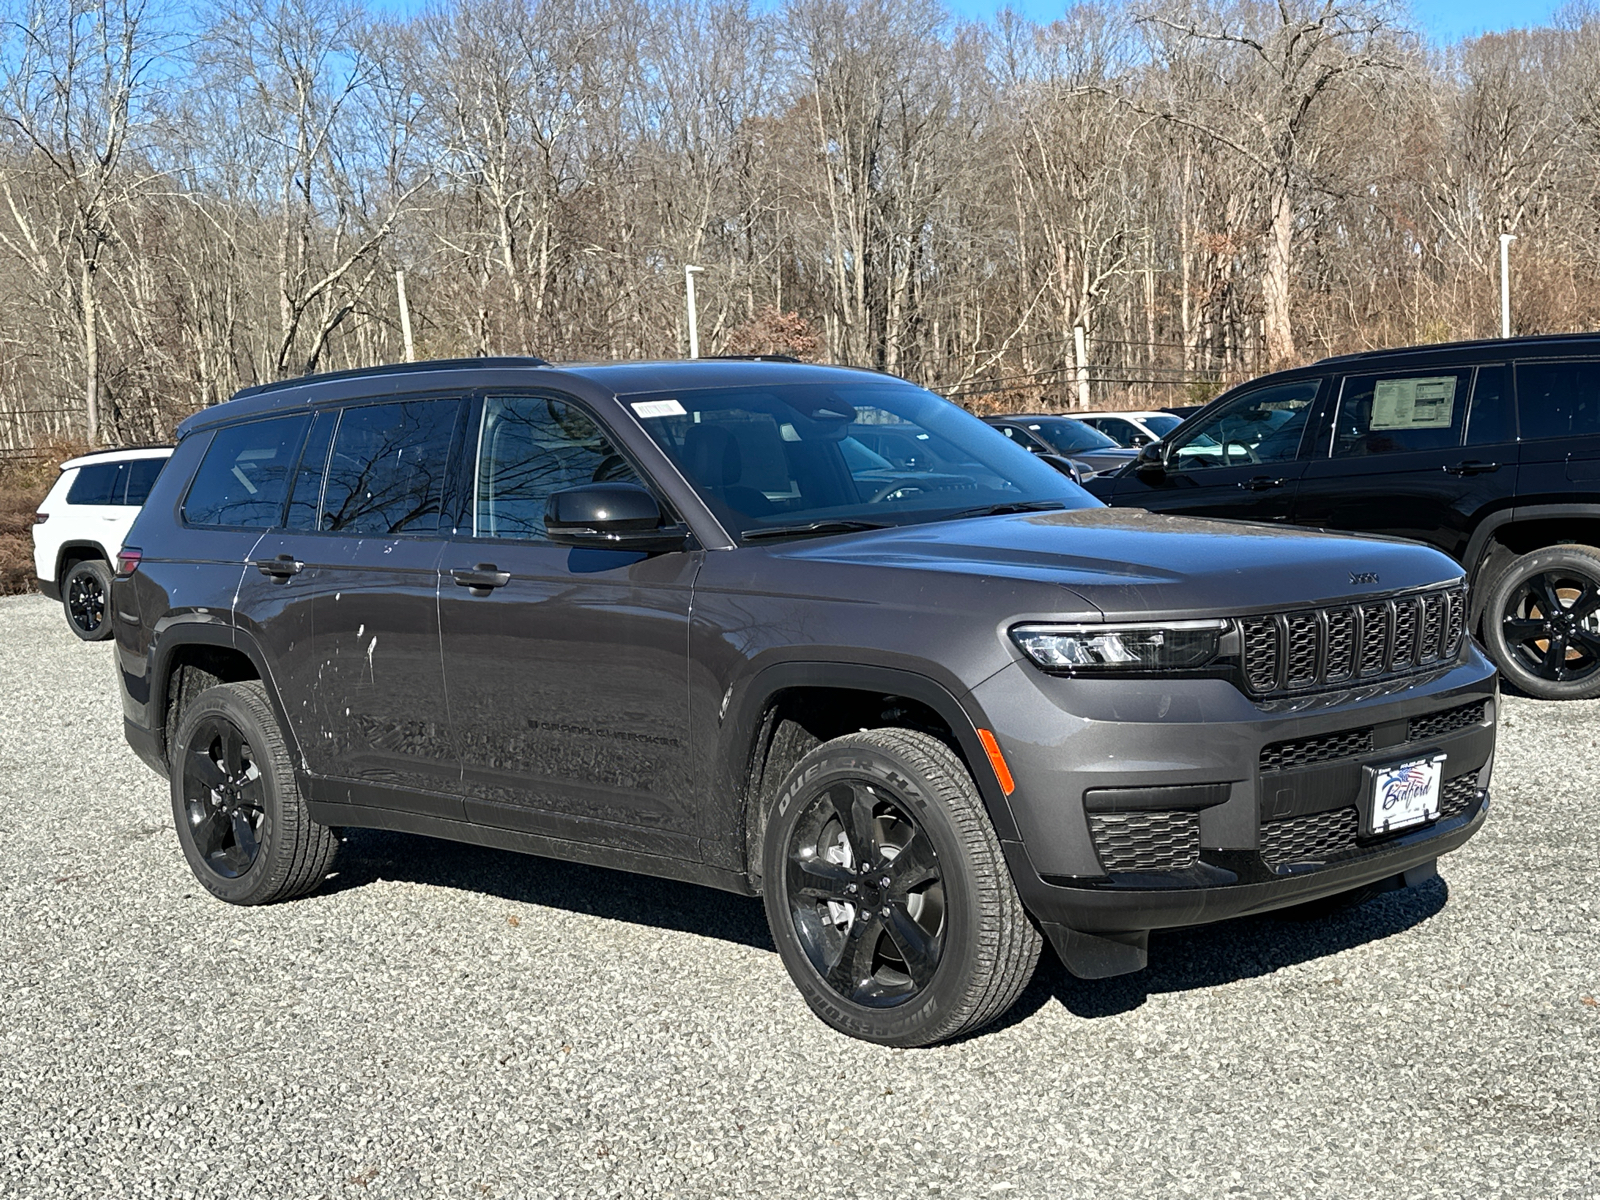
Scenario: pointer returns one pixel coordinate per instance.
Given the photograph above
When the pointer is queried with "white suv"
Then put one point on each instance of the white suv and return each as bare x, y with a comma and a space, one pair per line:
79, 528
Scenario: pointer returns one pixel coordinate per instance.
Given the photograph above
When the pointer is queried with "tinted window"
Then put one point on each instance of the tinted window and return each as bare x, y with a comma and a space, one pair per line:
1490, 420
387, 471
96, 484
1392, 413
1066, 436
307, 492
1161, 425
1558, 399
142, 474
532, 446
1261, 426
243, 477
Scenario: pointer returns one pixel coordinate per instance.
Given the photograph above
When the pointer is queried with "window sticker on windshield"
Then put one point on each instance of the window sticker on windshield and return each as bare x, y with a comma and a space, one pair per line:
664, 408
1427, 403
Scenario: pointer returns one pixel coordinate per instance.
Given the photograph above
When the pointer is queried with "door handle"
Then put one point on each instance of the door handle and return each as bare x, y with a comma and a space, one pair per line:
482, 579
1472, 467
1261, 483
281, 567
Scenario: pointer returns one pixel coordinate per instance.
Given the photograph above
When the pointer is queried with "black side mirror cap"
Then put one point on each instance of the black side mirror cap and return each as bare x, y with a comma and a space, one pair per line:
1152, 459
1065, 465
610, 516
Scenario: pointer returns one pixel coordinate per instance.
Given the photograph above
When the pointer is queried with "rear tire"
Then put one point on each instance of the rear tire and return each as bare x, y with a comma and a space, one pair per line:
241, 820
86, 600
888, 895
1541, 623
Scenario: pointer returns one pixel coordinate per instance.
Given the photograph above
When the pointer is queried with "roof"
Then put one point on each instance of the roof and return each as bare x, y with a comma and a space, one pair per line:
116, 454
1541, 345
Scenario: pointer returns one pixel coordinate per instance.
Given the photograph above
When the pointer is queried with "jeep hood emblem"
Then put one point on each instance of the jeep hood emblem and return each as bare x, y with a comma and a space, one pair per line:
1357, 577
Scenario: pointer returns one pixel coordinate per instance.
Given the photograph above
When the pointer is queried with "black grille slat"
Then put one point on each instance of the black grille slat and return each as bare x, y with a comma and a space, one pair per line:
1313, 838
1446, 720
1314, 648
1301, 752
1341, 654
1146, 841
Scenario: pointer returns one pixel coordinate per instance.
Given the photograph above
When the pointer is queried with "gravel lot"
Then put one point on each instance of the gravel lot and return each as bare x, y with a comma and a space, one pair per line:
447, 1021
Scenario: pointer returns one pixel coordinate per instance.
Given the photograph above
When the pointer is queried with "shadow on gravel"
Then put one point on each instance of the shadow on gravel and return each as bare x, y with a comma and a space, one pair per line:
1182, 960
369, 855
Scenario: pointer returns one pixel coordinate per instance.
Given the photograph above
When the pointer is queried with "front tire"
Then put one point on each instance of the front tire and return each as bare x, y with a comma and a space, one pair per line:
241, 820
887, 893
1541, 623
86, 599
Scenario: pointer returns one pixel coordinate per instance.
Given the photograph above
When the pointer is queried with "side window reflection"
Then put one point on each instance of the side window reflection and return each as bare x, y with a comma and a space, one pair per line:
1263, 426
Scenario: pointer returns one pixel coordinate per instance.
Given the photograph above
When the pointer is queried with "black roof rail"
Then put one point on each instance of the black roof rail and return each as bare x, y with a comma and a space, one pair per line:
410, 368
125, 449
1508, 345
754, 357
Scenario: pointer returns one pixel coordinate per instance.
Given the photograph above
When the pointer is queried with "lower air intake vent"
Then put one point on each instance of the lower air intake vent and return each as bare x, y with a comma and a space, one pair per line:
1146, 841
1458, 795
1446, 720
1325, 747
1312, 838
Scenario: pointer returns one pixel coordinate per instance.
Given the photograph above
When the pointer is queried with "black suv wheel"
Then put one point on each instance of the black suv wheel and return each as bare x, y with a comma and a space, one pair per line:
1542, 623
86, 597
241, 821
887, 894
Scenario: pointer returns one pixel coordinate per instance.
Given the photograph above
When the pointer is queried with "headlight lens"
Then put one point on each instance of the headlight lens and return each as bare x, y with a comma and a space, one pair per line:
1145, 646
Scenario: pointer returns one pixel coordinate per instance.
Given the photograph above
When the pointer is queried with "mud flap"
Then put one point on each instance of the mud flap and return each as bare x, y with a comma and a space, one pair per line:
1099, 956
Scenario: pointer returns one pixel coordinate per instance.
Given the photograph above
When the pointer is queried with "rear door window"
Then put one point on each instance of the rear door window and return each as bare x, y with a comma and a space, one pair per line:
97, 483
1392, 413
244, 476
1558, 399
386, 474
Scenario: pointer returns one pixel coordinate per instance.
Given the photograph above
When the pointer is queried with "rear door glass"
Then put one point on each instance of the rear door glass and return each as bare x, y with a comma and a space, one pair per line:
386, 474
1559, 399
244, 475
1392, 413
97, 483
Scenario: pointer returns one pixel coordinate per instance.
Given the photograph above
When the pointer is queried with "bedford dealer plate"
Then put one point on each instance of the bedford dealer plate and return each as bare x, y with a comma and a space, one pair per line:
1405, 794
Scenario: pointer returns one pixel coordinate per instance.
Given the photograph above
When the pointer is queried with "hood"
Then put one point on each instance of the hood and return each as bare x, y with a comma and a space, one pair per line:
1128, 563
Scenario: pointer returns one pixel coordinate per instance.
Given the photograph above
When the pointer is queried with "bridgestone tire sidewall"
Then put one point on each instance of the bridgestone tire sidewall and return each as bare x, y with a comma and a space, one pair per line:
1582, 560
257, 884
96, 567
914, 1023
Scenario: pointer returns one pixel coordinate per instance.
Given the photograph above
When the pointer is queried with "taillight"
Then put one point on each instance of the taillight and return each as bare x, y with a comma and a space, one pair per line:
39, 518
128, 560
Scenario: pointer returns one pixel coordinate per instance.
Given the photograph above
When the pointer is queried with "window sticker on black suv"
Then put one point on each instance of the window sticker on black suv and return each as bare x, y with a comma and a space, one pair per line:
243, 477
387, 471
1559, 399
530, 447
1389, 414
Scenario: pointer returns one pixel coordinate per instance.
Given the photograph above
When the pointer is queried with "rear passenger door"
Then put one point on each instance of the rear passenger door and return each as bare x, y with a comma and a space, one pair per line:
567, 669
1396, 458
1559, 407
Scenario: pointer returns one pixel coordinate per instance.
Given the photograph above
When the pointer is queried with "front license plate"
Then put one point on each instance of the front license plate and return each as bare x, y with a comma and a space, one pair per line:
1406, 794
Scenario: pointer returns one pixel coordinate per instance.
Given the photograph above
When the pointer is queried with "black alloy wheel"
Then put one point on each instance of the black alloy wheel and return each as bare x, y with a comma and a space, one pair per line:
224, 798
887, 892
86, 597
866, 895
1542, 623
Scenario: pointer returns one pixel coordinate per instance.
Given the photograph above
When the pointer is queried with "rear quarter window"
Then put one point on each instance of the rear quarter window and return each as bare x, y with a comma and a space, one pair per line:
243, 479
142, 473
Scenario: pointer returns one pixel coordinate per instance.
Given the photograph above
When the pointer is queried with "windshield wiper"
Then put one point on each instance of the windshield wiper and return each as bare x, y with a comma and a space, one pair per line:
1001, 510
810, 529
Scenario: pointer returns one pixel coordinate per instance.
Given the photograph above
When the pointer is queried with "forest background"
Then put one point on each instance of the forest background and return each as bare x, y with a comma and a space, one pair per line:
1136, 204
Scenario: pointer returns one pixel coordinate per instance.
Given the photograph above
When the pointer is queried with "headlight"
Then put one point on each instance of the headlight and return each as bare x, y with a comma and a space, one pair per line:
1145, 646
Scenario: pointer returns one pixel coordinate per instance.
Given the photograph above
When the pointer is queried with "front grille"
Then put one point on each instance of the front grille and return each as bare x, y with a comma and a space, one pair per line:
1146, 841
1446, 720
1300, 752
1312, 838
1458, 795
1318, 648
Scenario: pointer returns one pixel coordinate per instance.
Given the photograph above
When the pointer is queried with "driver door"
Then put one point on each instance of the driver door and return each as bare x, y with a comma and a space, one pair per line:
1244, 460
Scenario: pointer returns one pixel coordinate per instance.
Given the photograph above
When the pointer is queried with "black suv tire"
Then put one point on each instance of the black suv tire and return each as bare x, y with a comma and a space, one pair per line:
86, 599
240, 818
887, 893
1541, 623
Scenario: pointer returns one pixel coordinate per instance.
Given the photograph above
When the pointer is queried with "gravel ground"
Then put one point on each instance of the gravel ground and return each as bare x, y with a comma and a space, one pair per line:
447, 1021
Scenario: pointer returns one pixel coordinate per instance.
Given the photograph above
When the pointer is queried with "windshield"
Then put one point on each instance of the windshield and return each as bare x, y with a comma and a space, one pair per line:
1162, 424
877, 452
1067, 436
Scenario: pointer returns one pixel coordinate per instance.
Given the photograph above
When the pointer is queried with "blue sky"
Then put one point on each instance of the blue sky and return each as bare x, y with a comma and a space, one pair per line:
1440, 20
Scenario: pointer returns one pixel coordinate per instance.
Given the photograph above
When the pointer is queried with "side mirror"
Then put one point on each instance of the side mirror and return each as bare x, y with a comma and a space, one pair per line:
1065, 465
1152, 459
610, 516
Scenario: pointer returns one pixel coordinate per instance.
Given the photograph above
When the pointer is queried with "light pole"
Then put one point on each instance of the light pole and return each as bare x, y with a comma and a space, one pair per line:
694, 321
405, 315
1505, 283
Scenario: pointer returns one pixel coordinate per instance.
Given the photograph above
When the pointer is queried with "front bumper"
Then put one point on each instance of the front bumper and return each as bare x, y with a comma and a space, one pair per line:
1270, 797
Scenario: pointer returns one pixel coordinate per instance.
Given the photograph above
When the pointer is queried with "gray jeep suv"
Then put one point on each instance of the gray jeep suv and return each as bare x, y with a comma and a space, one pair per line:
721, 621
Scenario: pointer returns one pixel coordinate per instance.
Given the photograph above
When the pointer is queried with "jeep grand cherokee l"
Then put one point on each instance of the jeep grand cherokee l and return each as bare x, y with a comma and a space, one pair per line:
669, 617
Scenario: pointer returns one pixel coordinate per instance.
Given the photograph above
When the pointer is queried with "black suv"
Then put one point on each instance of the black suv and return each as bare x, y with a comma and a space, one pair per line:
1489, 451
724, 622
